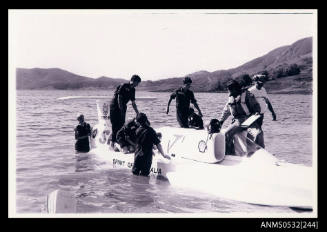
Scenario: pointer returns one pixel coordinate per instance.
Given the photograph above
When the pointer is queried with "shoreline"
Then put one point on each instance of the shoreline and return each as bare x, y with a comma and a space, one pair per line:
302, 92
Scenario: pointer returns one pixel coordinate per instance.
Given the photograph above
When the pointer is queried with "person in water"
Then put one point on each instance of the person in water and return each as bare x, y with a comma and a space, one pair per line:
126, 136
146, 137
184, 96
82, 133
118, 106
195, 120
241, 105
261, 96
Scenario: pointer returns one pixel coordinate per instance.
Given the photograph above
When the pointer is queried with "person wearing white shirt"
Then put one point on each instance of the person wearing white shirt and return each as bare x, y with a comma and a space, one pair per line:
262, 98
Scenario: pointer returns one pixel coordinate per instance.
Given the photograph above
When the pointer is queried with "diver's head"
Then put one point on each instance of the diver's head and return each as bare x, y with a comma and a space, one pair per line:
187, 82
159, 135
246, 81
80, 117
234, 87
142, 119
135, 80
214, 126
259, 80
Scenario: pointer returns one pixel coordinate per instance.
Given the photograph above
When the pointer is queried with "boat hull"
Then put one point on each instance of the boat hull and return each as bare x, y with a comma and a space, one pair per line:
198, 162
248, 179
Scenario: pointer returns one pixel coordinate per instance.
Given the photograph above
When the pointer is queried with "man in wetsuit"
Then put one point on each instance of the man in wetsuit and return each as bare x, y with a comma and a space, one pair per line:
126, 136
82, 133
146, 137
118, 106
184, 96
241, 105
195, 120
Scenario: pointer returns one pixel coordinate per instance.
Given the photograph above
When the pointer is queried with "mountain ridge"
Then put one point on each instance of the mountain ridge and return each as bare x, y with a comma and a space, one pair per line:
288, 68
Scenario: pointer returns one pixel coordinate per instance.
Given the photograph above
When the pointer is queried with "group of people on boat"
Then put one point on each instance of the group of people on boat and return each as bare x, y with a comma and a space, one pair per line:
137, 135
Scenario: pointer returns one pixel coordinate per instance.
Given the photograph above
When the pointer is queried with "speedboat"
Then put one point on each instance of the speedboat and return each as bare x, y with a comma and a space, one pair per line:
198, 162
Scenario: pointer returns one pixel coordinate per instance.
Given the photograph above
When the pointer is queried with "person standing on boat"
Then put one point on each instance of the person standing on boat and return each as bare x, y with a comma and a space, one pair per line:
241, 105
118, 106
261, 96
82, 133
184, 96
146, 137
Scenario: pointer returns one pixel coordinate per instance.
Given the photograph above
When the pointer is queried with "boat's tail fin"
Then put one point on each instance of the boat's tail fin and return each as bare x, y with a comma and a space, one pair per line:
244, 146
60, 201
103, 110
101, 131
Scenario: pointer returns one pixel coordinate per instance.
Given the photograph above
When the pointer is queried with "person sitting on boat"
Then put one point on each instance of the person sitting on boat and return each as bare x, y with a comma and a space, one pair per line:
261, 96
126, 136
118, 106
195, 120
184, 96
146, 137
82, 133
213, 126
241, 105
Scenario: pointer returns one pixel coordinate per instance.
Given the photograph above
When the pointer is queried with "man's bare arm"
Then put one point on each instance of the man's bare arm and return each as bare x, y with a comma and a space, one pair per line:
135, 107
271, 109
167, 111
198, 108
162, 152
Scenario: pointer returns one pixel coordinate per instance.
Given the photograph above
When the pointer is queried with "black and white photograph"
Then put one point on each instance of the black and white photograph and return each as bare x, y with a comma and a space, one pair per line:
162, 113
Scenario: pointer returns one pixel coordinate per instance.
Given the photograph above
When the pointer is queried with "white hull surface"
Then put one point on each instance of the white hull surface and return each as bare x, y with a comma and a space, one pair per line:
249, 180
259, 179
199, 163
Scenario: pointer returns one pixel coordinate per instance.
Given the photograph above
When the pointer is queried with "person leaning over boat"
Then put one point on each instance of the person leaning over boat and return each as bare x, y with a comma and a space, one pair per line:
126, 136
184, 96
261, 96
241, 105
118, 106
146, 137
82, 133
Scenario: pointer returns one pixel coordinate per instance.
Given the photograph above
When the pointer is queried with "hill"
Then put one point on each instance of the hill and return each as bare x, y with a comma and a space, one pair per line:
55, 78
289, 70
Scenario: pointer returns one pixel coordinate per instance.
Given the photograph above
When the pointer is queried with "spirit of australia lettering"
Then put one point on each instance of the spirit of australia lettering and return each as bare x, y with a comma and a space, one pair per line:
130, 165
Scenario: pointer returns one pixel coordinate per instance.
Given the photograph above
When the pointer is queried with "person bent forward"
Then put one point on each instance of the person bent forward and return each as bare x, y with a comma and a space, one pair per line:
146, 138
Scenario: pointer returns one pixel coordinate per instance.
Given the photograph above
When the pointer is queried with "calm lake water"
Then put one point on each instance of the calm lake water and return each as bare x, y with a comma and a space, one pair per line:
46, 161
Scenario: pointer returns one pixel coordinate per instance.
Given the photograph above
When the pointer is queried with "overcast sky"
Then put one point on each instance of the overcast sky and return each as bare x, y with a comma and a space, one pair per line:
152, 43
